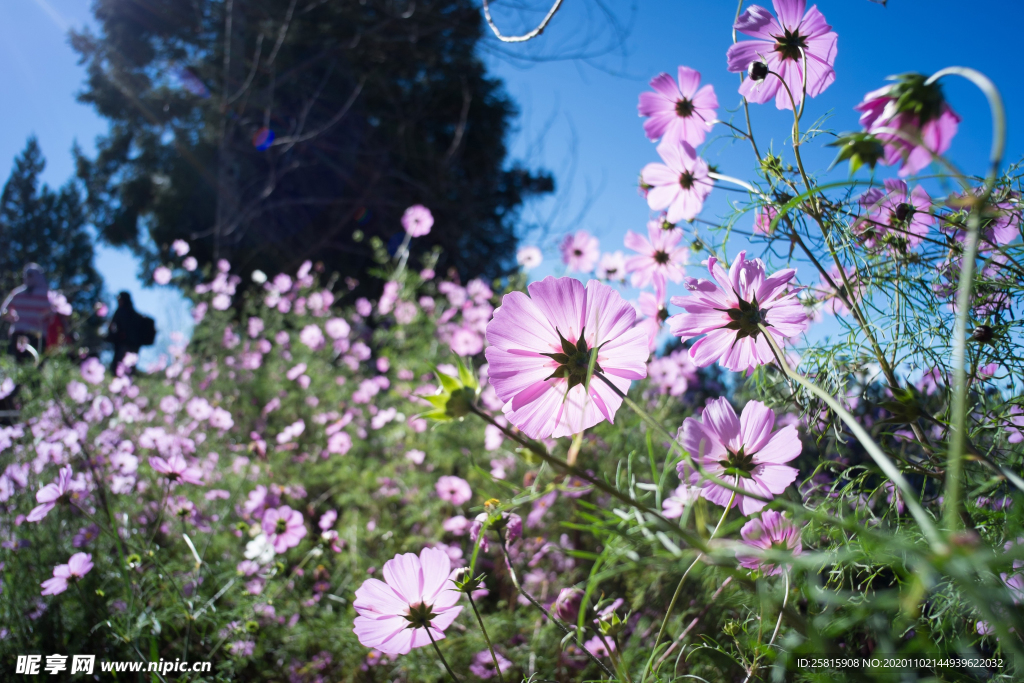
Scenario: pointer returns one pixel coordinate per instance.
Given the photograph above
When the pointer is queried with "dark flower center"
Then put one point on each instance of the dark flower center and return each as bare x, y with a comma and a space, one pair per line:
684, 108
662, 314
281, 526
686, 180
745, 318
574, 361
661, 257
790, 45
738, 464
420, 615
577, 252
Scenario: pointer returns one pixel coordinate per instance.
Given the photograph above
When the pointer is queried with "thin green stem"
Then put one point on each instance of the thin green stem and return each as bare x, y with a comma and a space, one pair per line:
958, 436
441, 656
679, 589
483, 629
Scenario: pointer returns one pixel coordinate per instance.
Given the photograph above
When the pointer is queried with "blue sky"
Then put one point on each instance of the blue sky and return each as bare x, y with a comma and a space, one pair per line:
578, 117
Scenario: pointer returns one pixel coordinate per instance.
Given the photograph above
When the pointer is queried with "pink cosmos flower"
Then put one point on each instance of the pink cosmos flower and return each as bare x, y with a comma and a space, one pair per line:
483, 664
312, 336
7, 387
612, 267
190, 263
455, 490
417, 220
175, 468
771, 532
782, 45
580, 251
76, 568
763, 218
681, 184
466, 342
51, 494
909, 139
674, 506
162, 275
652, 308
659, 258
284, 527
729, 317
529, 257
682, 112
540, 351
895, 215
92, 370
743, 450
180, 247
416, 594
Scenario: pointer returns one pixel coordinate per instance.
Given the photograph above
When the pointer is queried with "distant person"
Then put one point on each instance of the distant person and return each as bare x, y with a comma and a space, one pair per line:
28, 309
128, 330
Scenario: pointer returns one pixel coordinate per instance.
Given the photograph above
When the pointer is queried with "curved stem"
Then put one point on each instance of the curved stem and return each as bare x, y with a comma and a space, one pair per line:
775, 633
746, 106
487, 639
438, 651
679, 588
526, 36
958, 440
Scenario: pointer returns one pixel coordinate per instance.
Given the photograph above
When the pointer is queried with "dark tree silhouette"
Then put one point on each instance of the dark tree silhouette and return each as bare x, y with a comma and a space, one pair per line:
47, 227
268, 132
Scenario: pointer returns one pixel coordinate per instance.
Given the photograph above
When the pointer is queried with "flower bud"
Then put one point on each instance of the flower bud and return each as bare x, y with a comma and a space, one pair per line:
758, 71
982, 333
567, 605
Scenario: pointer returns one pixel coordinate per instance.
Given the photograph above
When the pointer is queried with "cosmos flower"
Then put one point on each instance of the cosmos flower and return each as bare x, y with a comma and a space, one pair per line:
743, 450
659, 256
728, 313
678, 112
911, 138
895, 216
162, 275
454, 490
541, 348
175, 468
681, 184
77, 567
674, 505
284, 528
529, 257
782, 45
416, 594
580, 251
180, 247
417, 220
483, 664
92, 370
651, 306
771, 532
612, 267
51, 494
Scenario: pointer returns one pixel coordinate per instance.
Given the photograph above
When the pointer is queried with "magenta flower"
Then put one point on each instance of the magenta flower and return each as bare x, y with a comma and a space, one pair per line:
63, 574
659, 258
454, 490
284, 527
895, 216
175, 468
911, 139
652, 308
782, 45
417, 220
771, 532
682, 112
729, 317
483, 664
180, 247
580, 251
51, 494
741, 450
92, 370
763, 218
541, 347
416, 594
681, 184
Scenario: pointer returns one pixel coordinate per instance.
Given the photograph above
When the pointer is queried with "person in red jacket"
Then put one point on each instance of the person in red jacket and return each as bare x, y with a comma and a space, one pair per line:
29, 311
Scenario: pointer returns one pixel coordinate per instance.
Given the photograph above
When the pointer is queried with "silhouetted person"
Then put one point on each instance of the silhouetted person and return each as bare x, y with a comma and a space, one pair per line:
127, 330
28, 307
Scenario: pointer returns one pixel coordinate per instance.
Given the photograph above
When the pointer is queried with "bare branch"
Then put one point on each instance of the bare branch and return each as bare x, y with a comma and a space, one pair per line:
460, 130
252, 71
526, 36
292, 139
282, 33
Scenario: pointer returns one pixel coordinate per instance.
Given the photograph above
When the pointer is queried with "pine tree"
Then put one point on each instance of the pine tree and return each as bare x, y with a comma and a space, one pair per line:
48, 227
269, 132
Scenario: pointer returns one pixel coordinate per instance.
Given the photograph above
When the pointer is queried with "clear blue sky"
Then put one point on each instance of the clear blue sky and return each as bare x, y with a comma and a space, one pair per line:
579, 118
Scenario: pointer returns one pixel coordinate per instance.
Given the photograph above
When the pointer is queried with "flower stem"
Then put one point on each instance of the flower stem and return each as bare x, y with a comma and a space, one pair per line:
679, 589
483, 630
958, 437
438, 651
